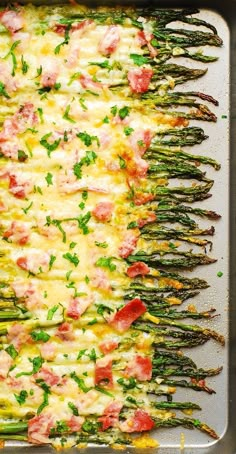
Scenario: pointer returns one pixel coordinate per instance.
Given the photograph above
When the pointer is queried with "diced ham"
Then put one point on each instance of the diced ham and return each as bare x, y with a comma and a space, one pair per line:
49, 79
50, 72
35, 262
84, 401
18, 335
19, 185
48, 351
139, 422
138, 269
124, 318
139, 79
3, 207
18, 233
110, 416
9, 148
23, 118
65, 332
140, 367
88, 83
28, 291
104, 139
7, 79
82, 26
78, 306
48, 376
26, 116
107, 346
12, 20
67, 183
6, 362
100, 280
144, 38
103, 372
128, 245
140, 141
39, 429
103, 211
109, 41
140, 198
75, 423
151, 217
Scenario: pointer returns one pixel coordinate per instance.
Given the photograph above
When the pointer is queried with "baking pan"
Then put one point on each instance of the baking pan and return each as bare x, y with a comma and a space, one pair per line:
219, 410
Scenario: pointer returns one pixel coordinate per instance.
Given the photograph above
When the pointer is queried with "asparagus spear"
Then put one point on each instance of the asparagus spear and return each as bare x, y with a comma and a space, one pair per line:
176, 405
157, 153
188, 424
188, 260
195, 328
177, 315
188, 372
161, 357
171, 205
181, 137
177, 170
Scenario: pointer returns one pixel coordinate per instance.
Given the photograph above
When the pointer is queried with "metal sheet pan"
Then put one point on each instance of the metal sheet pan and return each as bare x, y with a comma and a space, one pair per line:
219, 410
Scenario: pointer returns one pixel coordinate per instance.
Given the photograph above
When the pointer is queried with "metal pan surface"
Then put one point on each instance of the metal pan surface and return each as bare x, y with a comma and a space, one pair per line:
218, 409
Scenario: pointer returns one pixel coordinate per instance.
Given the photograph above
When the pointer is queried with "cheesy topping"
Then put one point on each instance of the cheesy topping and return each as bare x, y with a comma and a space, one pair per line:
74, 193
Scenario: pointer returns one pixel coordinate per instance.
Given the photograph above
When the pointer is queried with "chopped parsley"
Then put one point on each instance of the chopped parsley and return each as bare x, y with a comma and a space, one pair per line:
27, 208
114, 110
3, 91
21, 398
83, 105
12, 351
13, 57
106, 120
219, 274
80, 382
37, 362
41, 336
106, 262
22, 156
51, 312
103, 245
124, 112
24, 65
89, 158
128, 130
40, 113
49, 178
72, 245
87, 139
65, 42
73, 408
132, 225
44, 403
139, 60
73, 258
73, 77
66, 115
122, 163
51, 261
50, 147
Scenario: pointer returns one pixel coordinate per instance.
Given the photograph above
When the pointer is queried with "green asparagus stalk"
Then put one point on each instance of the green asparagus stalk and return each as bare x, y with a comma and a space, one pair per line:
161, 358
157, 153
178, 315
188, 424
176, 406
193, 384
188, 260
189, 372
180, 137
174, 206
177, 170
195, 328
